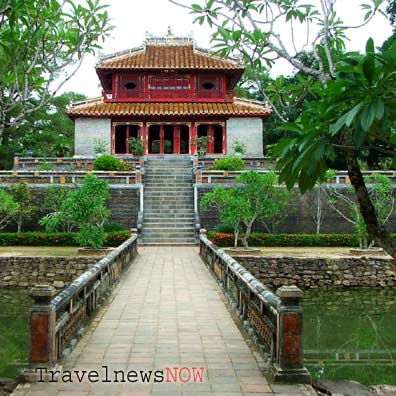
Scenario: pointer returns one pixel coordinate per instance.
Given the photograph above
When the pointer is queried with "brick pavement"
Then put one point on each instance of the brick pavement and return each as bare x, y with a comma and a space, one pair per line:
167, 312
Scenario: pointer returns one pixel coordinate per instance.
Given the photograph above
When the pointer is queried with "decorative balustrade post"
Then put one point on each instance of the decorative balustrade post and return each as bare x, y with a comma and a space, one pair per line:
138, 175
42, 320
289, 360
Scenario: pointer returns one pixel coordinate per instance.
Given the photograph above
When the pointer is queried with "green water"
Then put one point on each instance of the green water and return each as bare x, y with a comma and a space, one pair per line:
14, 331
351, 335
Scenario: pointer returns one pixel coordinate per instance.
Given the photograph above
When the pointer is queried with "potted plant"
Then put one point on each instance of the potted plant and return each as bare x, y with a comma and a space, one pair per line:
100, 147
155, 146
136, 146
239, 147
202, 145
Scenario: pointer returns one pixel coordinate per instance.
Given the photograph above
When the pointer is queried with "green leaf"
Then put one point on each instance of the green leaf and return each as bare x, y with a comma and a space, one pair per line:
379, 107
367, 118
370, 46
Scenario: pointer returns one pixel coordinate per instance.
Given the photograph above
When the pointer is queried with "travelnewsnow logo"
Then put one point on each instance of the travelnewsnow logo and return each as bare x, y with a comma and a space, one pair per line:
169, 374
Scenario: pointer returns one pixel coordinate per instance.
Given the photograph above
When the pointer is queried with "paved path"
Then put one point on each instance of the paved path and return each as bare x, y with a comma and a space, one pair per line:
167, 312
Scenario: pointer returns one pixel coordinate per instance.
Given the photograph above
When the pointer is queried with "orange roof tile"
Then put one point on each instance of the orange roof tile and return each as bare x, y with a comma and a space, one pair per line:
167, 57
97, 108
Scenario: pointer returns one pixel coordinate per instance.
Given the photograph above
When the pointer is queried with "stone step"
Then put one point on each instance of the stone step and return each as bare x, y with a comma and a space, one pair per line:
169, 208
161, 234
164, 170
170, 216
168, 241
188, 223
165, 188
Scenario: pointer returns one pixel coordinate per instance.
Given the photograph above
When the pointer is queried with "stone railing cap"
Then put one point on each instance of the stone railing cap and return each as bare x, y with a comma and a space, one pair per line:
289, 292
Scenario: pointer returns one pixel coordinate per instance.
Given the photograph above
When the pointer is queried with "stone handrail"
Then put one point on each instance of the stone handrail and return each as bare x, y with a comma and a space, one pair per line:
207, 176
78, 163
57, 321
67, 177
276, 320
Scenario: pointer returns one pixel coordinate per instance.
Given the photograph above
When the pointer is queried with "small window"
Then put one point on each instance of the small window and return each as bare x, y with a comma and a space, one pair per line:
130, 85
208, 85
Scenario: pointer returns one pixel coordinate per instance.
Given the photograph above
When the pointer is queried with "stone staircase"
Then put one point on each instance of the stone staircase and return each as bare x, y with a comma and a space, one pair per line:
168, 201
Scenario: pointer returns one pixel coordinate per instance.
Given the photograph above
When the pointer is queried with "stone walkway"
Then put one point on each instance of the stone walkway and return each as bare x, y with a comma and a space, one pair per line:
167, 312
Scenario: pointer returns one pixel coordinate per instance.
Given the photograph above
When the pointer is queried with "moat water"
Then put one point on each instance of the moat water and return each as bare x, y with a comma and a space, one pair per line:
14, 331
347, 335
351, 335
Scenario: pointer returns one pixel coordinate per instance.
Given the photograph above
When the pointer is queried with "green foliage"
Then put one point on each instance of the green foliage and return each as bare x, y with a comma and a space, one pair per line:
101, 146
380, 190
356, 110
111, 226
229, 164
46, 166
258, 200
202, 144
107, 162
42, 45
111, 239
47, 132
8, 208
238, 146
22, 195
136, 146
85, 209
224, 228
285, 240
155, 146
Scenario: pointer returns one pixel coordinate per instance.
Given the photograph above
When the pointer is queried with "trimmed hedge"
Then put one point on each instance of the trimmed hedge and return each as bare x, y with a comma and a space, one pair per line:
56, 239
229, 164
284, 240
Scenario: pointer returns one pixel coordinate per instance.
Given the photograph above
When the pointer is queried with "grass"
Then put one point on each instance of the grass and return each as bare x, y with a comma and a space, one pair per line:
322, 252
37, 251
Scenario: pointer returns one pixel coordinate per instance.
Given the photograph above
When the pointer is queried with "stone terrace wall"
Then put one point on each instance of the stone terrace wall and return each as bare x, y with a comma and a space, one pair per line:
298, 219
323, 273
124, 205
24, 272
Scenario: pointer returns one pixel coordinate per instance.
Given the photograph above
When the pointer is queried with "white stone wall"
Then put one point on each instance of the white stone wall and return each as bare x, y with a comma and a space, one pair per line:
248, 130
87, 131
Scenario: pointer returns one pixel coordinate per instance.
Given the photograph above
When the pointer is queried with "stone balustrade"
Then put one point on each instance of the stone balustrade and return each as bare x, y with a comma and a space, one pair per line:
208, 176
275, 320
57, 321
68, 177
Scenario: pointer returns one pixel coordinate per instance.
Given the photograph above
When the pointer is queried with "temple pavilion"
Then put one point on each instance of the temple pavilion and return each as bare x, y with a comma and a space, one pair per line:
166, 93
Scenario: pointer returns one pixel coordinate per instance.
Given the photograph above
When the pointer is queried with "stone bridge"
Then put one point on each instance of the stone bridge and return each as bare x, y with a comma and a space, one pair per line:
166, 329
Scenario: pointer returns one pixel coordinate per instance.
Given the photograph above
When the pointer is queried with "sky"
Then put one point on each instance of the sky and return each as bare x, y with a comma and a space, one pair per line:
133, 18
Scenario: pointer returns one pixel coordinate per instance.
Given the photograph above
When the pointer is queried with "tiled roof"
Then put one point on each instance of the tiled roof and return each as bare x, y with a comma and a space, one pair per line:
97, 108
167, 57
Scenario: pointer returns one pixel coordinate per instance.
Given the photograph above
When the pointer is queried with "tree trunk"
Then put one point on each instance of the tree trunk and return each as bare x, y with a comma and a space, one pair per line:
236, 233
247, 233
376, 231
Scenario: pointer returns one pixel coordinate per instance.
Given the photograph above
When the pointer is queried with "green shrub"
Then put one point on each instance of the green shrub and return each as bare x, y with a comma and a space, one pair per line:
225, 228
107, 163
110, 226
229, 164
56, 239
287, 240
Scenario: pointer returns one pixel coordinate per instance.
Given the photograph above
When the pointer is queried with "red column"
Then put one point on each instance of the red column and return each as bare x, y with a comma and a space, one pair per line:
145, 137
193, 135
211, 139
224, 144
113, 139
176, 138
161, 139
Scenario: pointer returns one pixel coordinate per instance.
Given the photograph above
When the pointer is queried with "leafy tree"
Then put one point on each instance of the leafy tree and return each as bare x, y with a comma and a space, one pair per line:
8, 209
354, 105
356, 112
258, 199
86, 210
315, 201
43, 43
391, 10
22, 195
54, 198
383, 200
48, 132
